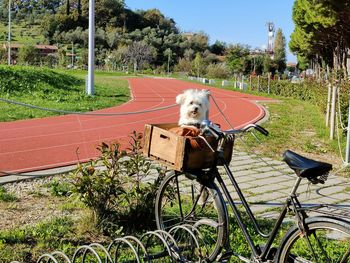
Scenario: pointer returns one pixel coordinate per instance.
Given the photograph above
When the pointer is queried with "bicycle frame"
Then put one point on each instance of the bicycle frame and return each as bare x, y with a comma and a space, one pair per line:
291, 201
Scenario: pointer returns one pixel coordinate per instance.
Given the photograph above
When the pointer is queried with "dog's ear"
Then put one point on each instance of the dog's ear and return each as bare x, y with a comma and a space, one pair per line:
180, 98
206, 92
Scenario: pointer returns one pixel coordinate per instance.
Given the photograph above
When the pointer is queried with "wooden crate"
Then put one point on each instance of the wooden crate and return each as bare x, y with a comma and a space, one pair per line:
175, 151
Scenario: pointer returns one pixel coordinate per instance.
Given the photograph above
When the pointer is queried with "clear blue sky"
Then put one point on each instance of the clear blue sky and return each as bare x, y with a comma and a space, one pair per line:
231, 21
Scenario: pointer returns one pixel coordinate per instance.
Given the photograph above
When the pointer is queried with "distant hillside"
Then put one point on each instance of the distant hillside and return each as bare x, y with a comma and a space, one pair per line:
22, 32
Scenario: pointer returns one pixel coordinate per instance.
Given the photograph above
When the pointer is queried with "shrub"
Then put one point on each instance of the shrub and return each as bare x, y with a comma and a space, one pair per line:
58, 188
308, 90
118, 192
6, 196
218, 71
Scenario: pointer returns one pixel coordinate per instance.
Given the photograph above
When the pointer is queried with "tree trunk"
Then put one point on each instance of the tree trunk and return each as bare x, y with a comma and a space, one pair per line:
67, 7
79, 8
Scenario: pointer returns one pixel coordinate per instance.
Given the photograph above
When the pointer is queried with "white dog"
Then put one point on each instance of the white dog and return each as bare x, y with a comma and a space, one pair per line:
194, 107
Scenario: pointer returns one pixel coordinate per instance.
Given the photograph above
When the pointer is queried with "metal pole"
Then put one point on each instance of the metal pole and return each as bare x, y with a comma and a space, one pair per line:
91, 66
9, 36
332, 128
347, 153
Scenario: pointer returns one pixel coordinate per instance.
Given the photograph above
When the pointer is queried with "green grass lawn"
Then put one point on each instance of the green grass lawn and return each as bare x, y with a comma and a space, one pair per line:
296, 125
64, 90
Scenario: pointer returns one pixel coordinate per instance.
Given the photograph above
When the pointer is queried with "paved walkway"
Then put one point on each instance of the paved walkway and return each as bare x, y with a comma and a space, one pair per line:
45, 143
266, 183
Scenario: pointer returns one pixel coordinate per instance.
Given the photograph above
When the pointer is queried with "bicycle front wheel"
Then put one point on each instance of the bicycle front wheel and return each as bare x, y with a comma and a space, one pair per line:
328, 240
181, 201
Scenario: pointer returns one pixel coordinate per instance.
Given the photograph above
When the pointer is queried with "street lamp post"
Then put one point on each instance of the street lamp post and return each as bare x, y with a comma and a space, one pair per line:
9, 36
91, 62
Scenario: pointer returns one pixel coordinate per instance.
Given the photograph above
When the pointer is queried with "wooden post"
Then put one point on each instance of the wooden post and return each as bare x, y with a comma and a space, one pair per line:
258, 83
242, 83
333, 109
328, 103
250, 82
347, 151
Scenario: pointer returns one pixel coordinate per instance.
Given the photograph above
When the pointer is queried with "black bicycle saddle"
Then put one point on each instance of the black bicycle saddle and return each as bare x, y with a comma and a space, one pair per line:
305, 167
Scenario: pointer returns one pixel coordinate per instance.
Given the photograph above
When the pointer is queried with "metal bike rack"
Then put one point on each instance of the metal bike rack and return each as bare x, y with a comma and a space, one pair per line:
151, 246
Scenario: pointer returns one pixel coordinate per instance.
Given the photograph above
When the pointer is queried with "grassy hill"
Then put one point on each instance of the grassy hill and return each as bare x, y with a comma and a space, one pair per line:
64, 90
22, 32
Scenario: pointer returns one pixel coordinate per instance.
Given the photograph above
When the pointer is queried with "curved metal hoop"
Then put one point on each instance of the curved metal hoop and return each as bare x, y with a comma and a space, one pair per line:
190, 236
142, 249
118, 242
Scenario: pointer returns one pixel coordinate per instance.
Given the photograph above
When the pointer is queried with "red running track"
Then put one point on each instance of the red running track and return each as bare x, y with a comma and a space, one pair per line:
39, 144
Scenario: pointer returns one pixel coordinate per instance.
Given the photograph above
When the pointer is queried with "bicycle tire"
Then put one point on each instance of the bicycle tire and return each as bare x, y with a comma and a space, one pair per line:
178, 193
329, 238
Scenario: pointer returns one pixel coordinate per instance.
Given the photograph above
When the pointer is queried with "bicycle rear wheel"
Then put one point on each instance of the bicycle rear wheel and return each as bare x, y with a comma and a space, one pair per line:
181, 201
328, 240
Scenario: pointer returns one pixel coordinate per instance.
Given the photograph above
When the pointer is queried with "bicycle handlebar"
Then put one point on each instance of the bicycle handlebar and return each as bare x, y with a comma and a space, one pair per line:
207, 125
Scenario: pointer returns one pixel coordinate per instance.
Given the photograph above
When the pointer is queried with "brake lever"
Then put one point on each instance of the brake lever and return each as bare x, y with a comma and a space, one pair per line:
208, 126
261, 130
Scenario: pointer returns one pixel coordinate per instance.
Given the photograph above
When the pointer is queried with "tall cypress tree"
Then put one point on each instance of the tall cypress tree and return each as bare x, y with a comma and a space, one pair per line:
280, 51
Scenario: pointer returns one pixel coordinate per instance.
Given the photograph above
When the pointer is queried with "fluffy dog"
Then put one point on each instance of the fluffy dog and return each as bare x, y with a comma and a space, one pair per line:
193, 110
194, 107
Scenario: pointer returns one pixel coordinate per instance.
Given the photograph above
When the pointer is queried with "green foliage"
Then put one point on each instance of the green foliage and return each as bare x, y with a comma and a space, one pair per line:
118, 193
198, 65
28, 55
6, 196
321, 31
280, 51
60, 188
237, 58
26, 244
218, 71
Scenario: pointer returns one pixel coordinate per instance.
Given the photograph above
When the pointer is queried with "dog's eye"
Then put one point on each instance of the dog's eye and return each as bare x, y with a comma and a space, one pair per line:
191, 103
200, 104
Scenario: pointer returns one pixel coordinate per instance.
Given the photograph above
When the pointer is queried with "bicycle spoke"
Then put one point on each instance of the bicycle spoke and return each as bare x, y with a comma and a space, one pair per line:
187, 202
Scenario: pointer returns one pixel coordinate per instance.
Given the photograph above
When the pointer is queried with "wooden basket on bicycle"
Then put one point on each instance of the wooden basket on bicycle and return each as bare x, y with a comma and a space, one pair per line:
175, 152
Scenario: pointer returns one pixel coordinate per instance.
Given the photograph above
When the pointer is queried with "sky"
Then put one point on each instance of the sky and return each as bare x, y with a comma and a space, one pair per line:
231, 21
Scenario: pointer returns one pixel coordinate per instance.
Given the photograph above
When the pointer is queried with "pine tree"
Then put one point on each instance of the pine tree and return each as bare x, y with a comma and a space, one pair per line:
280, 51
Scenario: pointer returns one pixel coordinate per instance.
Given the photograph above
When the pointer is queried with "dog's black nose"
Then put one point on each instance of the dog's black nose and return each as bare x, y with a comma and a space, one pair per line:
195, 109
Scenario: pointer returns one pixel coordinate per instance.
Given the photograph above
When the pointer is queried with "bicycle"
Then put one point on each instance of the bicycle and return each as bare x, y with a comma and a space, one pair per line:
193, 198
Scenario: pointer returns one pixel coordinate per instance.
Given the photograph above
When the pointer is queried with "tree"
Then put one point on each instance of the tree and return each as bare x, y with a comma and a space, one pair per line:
198, 64
218, 48
168, 53
237, 58
280, 51
138, 54
321, 33
27, 55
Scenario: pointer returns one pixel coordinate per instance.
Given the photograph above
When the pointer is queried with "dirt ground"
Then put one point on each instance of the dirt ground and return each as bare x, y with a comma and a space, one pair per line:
34, 204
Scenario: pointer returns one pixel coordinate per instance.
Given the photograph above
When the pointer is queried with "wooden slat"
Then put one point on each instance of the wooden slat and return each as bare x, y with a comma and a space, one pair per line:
147, 139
